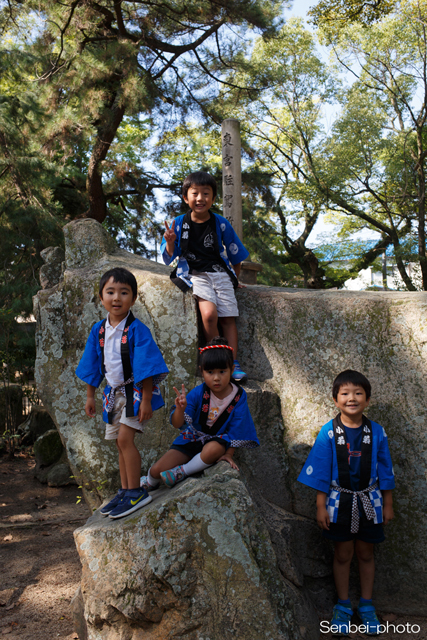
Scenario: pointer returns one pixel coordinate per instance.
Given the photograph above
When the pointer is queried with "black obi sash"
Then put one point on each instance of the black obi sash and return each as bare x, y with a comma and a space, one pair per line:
219, 422
127, 367
185, 231
344, 511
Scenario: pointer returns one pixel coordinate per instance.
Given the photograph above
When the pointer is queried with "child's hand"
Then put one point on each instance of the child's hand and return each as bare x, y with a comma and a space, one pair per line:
388, 513
180, 400
90, 407
323, 519
170, 237
230, 461
145, 410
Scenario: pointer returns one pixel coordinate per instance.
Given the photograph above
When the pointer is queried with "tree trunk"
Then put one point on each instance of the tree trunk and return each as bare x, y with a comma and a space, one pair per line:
111, 118
421, 211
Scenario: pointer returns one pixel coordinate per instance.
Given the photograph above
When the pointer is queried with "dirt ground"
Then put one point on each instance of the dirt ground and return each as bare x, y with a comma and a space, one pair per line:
40, 567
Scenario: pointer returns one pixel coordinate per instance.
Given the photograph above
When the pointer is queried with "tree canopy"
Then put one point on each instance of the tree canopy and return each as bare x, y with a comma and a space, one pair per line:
106, 104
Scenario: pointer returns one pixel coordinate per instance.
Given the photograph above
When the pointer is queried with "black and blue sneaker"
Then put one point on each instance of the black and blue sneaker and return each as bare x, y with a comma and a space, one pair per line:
132, 500
107, 509
238, 375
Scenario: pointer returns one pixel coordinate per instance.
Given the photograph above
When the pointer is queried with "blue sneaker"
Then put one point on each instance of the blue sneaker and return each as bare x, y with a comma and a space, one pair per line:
132, 500
143, 482
341, 620
369, 618
107, 509
238, 375
172, 476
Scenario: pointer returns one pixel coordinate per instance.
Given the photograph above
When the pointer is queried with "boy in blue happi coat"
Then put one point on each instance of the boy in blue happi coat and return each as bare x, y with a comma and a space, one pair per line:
122, 350
214, 420
351, 469
210, 255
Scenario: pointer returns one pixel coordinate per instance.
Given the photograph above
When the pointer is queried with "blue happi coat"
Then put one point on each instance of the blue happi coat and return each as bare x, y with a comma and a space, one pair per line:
238, 430
321, 469
145, 359
232, 250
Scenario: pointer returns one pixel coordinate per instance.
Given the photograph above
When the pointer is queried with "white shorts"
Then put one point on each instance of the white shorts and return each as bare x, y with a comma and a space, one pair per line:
216, 288
119, 417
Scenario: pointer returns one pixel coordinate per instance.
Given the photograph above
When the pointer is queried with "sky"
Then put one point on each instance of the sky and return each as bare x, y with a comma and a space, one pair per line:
299, 8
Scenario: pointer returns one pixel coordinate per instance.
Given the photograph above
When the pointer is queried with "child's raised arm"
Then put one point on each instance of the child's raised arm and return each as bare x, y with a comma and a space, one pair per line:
180, 404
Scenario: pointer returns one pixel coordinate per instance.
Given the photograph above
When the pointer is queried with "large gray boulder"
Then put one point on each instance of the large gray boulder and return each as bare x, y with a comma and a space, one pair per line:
194, 564
292, 344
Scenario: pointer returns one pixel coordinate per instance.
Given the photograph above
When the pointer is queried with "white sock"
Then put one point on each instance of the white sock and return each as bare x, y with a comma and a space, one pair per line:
194, 465
153, 481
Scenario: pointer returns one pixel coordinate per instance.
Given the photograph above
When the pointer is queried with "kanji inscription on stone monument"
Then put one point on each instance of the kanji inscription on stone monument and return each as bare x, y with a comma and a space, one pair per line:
231, 174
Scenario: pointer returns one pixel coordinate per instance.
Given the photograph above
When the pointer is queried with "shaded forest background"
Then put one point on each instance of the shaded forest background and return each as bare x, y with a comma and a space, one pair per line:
106, 105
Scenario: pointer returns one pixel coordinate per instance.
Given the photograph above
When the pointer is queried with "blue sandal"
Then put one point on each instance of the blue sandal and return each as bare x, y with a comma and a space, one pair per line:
341, 619
369, 618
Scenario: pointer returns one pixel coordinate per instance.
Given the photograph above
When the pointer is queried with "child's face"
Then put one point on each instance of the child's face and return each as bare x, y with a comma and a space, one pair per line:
200, 200
218, 381
351, 401
117, 298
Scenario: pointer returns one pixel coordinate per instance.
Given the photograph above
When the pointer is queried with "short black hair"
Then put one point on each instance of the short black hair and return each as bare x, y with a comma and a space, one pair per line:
123, 276
199, 179
353, 377
216, 358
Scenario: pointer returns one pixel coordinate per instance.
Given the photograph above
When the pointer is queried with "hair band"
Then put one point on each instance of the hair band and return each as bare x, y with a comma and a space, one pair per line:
216, 346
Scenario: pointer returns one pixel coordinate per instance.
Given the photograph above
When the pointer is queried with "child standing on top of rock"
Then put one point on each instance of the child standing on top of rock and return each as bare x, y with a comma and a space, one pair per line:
210, 255
214, 420
122, 349
350, 466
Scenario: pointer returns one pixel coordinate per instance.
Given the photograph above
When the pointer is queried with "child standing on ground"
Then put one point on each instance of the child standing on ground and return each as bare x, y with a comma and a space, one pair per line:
121, 349
210, 255
214, 420
350, 466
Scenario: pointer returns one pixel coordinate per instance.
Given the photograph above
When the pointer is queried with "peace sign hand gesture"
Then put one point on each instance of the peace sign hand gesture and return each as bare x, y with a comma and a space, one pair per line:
170, 237
180, 400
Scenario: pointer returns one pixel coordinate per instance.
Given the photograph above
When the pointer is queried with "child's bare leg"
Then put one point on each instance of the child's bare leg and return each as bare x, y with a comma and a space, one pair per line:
211, 452
122, 469
169, 460
129, 455
342, 560
229, 330
365, 558
209, 315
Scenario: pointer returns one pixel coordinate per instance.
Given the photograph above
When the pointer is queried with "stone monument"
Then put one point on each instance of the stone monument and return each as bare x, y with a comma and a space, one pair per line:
232, 189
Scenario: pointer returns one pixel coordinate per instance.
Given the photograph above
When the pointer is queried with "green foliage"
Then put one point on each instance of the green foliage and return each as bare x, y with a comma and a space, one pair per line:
333, 15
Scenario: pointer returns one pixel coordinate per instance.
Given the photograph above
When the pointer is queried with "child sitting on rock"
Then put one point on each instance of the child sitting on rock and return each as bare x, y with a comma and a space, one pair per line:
122, 350
350, 466
214, 420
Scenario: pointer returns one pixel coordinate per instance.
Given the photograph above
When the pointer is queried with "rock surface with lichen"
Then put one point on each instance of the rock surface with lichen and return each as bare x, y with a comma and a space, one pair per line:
196, 563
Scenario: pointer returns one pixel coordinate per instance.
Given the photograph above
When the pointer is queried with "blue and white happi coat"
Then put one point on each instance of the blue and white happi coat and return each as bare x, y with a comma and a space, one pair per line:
145, 361
231, 249
320, 470
238, 429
